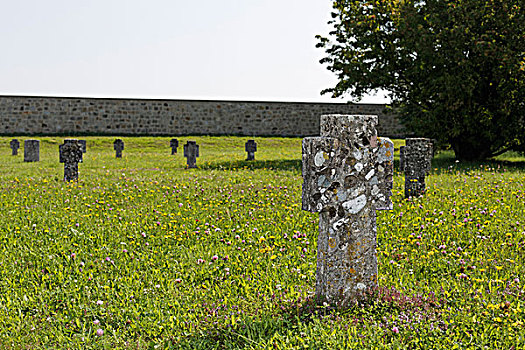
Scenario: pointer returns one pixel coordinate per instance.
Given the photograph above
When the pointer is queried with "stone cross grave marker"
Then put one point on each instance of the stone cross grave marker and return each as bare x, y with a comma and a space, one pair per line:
174, 144
118, 146
15, 145
191, 152
31, 150
70, 153
250, 147
347, 174
417, 163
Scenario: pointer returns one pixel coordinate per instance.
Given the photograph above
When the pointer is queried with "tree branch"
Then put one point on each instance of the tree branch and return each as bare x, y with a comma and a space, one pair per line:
501, 151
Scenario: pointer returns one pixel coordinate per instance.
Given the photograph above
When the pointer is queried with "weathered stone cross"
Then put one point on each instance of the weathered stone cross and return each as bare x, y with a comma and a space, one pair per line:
250, 147
174, 144
118, 146
416, 161
70, 153
31, 150
15, 145
347, 174
191, 152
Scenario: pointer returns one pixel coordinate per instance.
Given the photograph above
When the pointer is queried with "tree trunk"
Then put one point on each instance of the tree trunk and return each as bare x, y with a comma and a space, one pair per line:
471, 148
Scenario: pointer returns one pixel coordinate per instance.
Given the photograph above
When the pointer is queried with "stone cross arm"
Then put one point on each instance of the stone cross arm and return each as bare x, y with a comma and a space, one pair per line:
190, 148
83, 143
15, 145
70, 152
118, 145
250, 146
418, 154
338, 177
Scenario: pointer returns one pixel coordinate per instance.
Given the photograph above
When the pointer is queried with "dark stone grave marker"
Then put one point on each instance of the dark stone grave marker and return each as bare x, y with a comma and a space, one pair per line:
191, 152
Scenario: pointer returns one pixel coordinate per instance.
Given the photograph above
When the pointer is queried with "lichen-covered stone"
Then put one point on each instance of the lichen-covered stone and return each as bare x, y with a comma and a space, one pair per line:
174, 144
15, 145
83, 143
417, 164
191, 152
118, 146
250, 147
347, 174
31, 150
70, 153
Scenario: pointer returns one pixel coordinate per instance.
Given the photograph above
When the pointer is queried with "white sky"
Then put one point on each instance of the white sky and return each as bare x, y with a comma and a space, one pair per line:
181, 49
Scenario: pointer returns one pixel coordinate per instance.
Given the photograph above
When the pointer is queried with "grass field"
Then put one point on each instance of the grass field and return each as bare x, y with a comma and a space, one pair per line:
143, 253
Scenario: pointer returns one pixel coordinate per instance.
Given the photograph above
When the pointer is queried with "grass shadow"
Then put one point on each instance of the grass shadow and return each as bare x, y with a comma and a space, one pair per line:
446, 161
253, 332
296, 316
442, 161
272, 164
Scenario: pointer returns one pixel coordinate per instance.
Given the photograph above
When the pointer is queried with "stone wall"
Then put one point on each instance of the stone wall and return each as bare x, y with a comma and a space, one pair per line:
24, 115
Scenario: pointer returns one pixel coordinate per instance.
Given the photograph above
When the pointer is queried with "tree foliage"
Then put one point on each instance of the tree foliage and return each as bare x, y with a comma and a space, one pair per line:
454, 69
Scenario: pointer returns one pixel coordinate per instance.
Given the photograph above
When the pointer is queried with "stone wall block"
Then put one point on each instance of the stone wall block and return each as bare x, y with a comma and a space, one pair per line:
60, 115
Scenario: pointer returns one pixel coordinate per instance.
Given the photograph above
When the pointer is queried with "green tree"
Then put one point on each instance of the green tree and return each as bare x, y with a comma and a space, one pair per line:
454, 69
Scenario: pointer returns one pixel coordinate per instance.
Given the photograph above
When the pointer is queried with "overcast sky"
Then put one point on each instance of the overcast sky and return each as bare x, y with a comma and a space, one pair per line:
201, 49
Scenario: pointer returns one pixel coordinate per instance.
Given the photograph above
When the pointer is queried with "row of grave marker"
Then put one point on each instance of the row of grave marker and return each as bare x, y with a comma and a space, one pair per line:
32, 148
70, 153
191, 149
414, 159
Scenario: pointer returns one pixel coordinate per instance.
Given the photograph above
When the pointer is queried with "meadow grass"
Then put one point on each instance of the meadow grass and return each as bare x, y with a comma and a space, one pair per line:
152, 255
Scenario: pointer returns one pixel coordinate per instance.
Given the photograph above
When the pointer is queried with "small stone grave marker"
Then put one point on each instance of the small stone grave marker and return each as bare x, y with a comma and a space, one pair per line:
417, 163
118, 146
347, 174
174, 144
191, 152
15, 145
70, 153
250, 147
31, 150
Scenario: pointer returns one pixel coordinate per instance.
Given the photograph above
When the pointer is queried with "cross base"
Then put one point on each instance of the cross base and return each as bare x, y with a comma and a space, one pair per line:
346, 257
414, 186
70, 171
